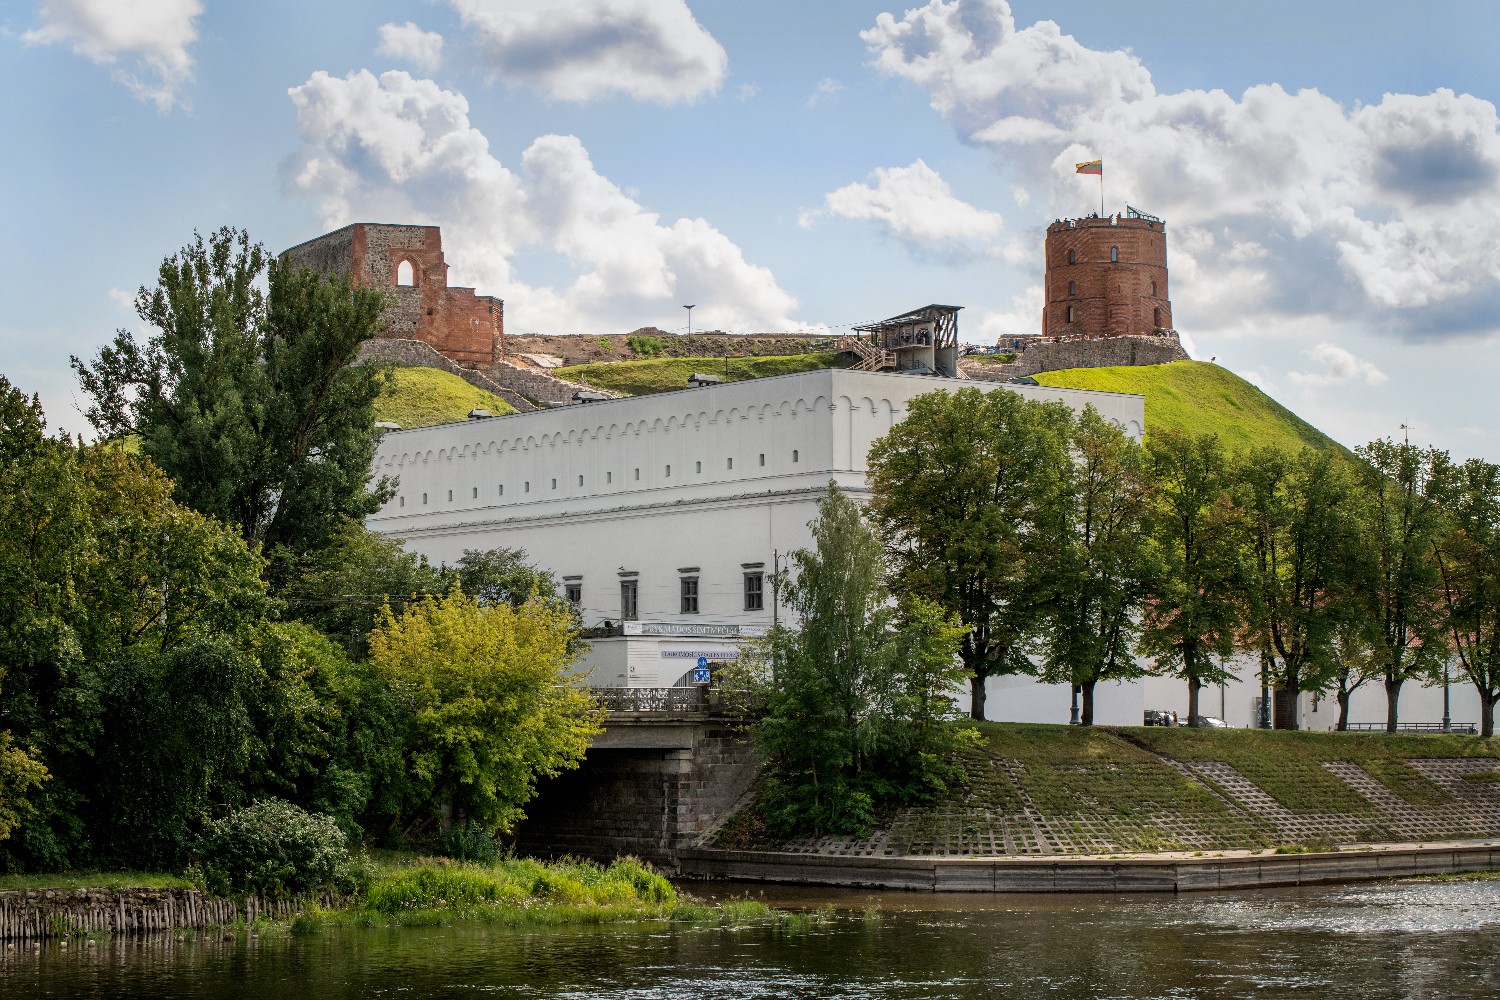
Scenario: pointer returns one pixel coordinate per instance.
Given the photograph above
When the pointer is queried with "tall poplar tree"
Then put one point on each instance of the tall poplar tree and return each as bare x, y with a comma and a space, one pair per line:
1468, 560
968, 496
248, 400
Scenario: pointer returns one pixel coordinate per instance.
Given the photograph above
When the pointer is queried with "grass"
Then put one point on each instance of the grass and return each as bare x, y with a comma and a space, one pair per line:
1288, 765
1200, 397
640, 378
422, 397
95, 880
989, 359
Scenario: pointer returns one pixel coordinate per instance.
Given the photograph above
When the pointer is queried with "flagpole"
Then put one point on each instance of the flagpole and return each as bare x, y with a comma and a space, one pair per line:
1101, 190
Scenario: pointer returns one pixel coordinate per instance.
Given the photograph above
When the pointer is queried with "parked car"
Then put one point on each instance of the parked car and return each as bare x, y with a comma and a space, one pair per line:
1209, 722
1158, 718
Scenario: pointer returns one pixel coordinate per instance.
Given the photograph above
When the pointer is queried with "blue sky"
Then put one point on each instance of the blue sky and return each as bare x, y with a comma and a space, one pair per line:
1329, 173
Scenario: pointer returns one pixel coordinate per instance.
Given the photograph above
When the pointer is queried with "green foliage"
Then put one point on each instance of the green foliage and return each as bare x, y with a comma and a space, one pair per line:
1196, 534
640, 378
626, 884
341, 588
421, 397
489, 707
248, 401
1201, 398
1102, 570
645, 347
1304, 566
1402, 493
1468, 562
967, 491
503, 576
855, 700
468, 841
274, 849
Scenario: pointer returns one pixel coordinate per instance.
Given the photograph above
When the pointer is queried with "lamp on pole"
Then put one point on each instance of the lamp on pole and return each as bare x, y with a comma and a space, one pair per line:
690, 319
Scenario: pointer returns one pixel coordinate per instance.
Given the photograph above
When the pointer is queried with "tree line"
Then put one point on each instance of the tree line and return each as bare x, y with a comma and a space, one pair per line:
195, 619
1065, 549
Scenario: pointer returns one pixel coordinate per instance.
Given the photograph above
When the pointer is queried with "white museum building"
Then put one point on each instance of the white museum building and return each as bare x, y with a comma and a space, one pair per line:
664, 516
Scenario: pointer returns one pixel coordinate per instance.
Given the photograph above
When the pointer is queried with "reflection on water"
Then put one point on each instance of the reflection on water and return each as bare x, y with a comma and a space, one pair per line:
1413, 940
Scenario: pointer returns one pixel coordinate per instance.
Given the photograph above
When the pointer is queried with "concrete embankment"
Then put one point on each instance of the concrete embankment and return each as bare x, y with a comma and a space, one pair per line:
1158, 873
54, 913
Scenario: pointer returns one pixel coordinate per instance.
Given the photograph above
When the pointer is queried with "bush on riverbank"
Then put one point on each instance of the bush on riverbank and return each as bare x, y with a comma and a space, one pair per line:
273, 849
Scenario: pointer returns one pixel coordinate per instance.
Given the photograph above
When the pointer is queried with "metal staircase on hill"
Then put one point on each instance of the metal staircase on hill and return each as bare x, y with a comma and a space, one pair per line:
871, 358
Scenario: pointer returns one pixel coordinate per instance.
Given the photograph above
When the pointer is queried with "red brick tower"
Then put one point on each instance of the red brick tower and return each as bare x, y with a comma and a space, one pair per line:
1106, 278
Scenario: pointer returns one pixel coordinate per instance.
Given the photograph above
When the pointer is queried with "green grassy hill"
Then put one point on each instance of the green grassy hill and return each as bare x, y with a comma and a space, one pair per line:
1199, 397
421, 397
639, 378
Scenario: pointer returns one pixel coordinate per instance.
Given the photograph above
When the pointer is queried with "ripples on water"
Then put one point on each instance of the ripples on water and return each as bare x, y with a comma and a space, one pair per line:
1410, 940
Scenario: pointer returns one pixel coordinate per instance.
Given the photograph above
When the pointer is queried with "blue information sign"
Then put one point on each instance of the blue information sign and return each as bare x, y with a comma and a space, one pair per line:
700, 673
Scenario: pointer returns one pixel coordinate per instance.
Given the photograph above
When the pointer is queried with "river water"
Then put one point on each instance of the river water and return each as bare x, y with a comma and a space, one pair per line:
1388, 940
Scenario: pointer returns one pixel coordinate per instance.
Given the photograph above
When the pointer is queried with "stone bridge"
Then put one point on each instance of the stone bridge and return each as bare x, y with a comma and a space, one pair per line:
669, 768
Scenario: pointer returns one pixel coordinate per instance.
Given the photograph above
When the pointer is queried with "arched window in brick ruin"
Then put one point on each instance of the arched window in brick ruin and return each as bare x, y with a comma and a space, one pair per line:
1072, 256
1072, 288
1114, 254
1158, 318
1153, 289
405, 273
1070, 314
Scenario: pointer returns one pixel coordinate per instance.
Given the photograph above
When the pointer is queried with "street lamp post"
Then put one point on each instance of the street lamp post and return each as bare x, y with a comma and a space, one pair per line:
690, 319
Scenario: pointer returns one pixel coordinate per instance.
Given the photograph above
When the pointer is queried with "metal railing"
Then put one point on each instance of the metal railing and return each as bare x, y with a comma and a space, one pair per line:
653, 699
871, 358
1456, 728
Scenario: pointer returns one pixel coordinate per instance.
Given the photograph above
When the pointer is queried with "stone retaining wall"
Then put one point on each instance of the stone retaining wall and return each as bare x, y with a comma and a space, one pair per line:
1108, 352
52, 913
1145, 874
538, 385
421, 355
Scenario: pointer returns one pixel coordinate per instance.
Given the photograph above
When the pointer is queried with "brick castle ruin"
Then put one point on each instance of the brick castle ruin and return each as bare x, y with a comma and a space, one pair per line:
1106, 294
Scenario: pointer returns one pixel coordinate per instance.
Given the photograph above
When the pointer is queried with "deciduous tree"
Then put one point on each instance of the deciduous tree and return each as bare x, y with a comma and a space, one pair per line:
492, 708
1468, 560
1102, 569
967, 495
248, 401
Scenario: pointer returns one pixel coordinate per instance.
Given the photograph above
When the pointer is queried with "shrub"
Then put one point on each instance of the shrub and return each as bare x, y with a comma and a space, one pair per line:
646, 347
272, 848
469, 841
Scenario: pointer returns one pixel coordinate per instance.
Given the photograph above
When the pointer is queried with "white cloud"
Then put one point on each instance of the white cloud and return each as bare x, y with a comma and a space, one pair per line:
826, 89
652, 50
396, 147
145, 42
407, 42
915, 205
748, 91
1281, 205
122, 299
1339, 367
1024, 318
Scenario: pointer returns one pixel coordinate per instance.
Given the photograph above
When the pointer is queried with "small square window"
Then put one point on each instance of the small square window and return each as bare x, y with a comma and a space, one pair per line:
574, 593
690, 595
755, 591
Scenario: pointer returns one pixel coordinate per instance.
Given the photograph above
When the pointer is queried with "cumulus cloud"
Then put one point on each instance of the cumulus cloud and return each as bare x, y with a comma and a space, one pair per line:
409, 43
398, 147
1381, 214
1339, 367
652, 50
915, 206
145, 43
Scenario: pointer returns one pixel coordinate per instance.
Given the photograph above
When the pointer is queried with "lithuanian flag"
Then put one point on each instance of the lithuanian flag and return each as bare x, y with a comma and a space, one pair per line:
1091, 167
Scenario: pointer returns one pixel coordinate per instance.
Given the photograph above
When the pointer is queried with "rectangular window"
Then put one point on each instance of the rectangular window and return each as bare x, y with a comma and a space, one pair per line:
580, 480
609, 477
450, 496
628, 591
731, 463
554, 484
574, 592
502, 490
755, 591
669, 472
637, 474
476, 494
762, 458
697, 466
690, 595
403, 501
